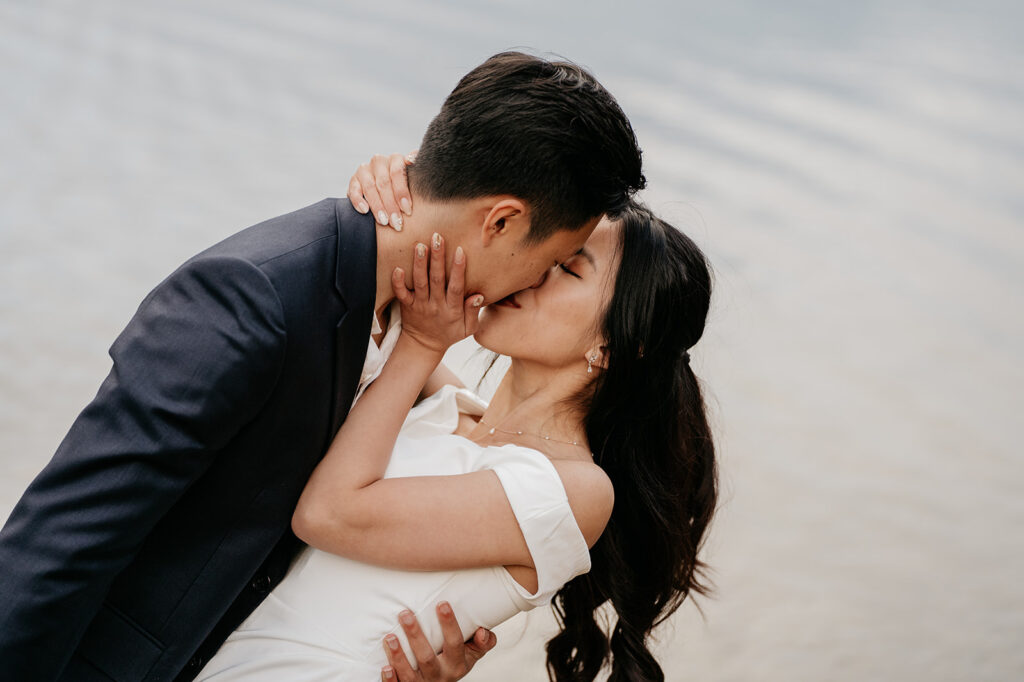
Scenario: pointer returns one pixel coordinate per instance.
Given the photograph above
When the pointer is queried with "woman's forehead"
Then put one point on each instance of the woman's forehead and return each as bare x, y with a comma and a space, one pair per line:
603, 240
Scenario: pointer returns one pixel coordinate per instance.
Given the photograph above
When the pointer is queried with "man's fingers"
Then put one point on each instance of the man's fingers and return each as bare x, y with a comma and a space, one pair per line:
380, 167
400, 182
437, 266
457, 278
486, 638
454, 651
482, 642
369, 186
430, 667
398, 661
355, 195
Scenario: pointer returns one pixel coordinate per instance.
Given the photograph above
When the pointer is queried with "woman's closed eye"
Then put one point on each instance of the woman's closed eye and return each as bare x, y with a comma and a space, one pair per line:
565, 269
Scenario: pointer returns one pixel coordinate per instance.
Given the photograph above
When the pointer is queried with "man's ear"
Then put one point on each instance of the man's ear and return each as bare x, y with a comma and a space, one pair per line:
508, 216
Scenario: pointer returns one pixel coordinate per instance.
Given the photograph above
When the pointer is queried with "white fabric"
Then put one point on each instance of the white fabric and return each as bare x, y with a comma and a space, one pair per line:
377, 356
328, 617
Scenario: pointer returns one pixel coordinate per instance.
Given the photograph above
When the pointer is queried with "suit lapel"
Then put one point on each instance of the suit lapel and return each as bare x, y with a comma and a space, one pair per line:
356, 281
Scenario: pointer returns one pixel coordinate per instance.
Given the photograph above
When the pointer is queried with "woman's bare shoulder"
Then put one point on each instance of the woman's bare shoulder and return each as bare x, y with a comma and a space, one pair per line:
591, 495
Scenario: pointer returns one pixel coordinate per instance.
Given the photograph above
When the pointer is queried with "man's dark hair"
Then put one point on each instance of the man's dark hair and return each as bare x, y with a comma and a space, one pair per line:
543, 131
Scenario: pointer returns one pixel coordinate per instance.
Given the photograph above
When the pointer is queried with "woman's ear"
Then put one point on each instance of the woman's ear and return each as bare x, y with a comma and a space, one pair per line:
597, 356
507, 217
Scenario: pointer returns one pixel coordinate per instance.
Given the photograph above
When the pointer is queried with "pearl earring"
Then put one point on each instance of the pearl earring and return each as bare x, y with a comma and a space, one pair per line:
590, 364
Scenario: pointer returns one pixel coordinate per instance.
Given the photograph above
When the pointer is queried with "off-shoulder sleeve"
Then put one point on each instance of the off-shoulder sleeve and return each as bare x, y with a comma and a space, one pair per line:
538, 499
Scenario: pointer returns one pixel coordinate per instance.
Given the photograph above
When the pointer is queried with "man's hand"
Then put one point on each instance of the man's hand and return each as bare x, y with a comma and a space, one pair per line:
457, 657
380, 187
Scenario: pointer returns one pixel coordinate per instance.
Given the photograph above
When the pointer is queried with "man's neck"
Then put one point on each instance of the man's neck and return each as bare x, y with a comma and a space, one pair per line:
396, 249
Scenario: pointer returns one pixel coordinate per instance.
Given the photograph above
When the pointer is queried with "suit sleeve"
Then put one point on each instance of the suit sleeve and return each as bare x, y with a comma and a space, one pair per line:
196, 363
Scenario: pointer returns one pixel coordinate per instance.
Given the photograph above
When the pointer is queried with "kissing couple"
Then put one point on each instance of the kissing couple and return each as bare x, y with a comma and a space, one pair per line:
279, 480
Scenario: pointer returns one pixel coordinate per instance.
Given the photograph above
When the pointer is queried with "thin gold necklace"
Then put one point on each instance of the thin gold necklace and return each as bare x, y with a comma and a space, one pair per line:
527, 433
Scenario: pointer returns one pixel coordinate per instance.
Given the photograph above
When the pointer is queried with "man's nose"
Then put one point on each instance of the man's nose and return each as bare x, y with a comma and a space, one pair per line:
540, 280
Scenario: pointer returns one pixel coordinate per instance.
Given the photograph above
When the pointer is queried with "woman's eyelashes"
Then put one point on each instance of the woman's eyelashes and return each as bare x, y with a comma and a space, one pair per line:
565, 269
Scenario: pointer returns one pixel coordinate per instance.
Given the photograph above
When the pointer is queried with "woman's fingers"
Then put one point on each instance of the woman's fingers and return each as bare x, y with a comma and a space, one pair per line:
400, 288
368, 185
454, 296
457, 279
380, 166
436, 313
420, 282
456, 292
400, 182
381, 187
429, 666
355, 195
472, 313
437, 266
399, 663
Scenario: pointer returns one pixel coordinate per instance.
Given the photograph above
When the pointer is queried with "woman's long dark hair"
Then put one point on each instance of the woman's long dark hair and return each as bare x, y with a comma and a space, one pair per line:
647, 427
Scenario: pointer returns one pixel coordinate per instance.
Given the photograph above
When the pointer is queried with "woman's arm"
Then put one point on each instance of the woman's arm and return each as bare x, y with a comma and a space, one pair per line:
435, 523
441, 377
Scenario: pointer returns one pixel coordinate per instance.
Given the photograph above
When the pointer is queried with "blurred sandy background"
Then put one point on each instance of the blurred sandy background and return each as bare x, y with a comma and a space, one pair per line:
855, 171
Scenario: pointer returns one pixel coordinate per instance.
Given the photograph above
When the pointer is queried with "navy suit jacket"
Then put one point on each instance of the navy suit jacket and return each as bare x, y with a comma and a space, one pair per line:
164, 517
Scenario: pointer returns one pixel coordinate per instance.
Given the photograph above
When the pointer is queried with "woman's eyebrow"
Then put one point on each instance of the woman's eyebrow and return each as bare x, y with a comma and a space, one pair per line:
586, 254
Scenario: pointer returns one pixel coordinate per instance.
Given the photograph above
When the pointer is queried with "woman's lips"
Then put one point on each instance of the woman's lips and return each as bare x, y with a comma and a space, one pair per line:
508, 302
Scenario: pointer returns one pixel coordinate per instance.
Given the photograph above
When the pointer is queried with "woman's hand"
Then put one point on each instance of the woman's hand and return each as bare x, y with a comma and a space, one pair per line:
435, 316
380, 186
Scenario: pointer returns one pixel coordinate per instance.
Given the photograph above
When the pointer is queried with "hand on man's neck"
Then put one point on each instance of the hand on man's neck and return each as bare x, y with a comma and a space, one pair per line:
396, 249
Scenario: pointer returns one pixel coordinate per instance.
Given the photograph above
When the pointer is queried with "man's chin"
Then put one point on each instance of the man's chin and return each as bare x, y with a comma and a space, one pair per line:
508, 302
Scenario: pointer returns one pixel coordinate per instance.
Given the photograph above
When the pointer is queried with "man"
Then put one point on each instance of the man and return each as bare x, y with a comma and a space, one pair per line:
163, 519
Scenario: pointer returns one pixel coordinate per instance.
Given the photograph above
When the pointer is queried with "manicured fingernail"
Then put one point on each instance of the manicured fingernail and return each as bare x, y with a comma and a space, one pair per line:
421, 250
362, 207
459, 255
436, 242
406, 617
478, 301
445, 609
389, 673
396, 222
392, 642
406, 206
411, 158
382, 217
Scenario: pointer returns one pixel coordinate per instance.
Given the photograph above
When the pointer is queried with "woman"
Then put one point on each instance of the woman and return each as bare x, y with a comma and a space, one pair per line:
590, 476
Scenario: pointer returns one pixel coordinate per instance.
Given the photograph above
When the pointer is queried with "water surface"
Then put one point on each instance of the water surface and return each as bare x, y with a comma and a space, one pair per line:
854, 171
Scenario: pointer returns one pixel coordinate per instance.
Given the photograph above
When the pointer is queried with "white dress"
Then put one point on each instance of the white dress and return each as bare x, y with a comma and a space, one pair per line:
327, 619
